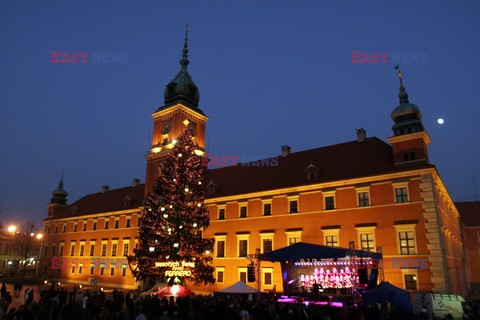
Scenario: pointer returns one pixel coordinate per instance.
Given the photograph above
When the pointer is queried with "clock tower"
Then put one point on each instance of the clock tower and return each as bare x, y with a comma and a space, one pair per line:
180, 111
410, 140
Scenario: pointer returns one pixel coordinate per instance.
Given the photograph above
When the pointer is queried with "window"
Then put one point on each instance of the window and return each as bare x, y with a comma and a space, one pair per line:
56, 229
73, 268
84, 225
221, 214
267, 209
80, 268
220, 274
410, 281
367, 242
102, 269
139, 222
75, 225
125, 249
266, 242
92, 250
243, 211
267, 245
92, 268
407, 242
124, 270
61, 250
94, 227
64, 228
106, 224
116, 223
293, 237
104, 249
363, 199
82, 248
242, 248
221, 249
242, 274
406, 238
48, 230
114, 250
72, 250
242, 242
401, 195
366, 238
53, 250
112, 271
330, 203
293, 206
267, 276
331, 241
331, 236
312, 175
127, 224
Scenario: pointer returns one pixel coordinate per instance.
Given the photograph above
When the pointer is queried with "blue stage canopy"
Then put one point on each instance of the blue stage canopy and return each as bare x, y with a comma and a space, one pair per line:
302, 250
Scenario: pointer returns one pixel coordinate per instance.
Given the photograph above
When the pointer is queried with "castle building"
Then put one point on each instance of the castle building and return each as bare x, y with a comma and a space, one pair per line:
381, 195
470, 216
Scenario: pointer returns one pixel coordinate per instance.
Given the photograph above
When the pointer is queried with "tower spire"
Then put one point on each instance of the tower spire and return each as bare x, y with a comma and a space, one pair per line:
59, 195
184, 61
402, 95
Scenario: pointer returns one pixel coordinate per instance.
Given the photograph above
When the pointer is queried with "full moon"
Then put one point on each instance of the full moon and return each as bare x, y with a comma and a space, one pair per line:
440, 121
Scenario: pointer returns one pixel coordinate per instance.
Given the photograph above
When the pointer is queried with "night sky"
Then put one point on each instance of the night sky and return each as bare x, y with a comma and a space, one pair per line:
269, 73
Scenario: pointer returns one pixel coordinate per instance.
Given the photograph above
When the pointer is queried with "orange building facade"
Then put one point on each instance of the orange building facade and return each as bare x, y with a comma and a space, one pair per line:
378, 195
470, 215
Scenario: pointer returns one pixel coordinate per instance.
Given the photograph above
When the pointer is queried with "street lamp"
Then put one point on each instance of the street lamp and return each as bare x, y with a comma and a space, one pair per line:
39, 236
12, 229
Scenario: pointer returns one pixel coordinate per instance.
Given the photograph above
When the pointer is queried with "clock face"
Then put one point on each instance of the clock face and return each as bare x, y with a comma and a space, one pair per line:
166, 126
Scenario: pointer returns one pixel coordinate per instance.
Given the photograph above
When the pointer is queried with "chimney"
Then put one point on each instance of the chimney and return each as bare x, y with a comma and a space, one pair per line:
105, 188
135, 182
361, 135
285, 151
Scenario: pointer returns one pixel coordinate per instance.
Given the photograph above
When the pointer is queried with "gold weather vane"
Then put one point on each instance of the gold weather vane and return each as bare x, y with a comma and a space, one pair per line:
399, 73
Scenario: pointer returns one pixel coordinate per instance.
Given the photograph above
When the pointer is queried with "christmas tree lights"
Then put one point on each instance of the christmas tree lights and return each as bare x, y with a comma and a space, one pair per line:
174, 216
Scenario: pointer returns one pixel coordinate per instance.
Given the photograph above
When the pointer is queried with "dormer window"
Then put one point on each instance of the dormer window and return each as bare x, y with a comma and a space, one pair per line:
311, 173
211, 189
127, 201
74, 209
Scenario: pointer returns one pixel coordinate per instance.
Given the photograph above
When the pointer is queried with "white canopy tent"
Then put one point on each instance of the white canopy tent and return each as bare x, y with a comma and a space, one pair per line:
239, 287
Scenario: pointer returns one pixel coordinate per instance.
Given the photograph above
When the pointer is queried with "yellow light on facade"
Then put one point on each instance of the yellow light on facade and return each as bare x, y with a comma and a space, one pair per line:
156, 149
186, 122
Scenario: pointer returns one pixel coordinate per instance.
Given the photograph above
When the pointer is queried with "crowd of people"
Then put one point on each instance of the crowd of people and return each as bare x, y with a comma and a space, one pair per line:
56, 303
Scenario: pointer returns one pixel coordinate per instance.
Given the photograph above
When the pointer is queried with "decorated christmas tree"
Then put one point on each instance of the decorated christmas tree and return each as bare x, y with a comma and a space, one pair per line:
171, 247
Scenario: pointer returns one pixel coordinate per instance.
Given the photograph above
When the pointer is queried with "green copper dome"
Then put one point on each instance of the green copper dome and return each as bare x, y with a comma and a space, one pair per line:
407, 116
182, 89
59, 195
